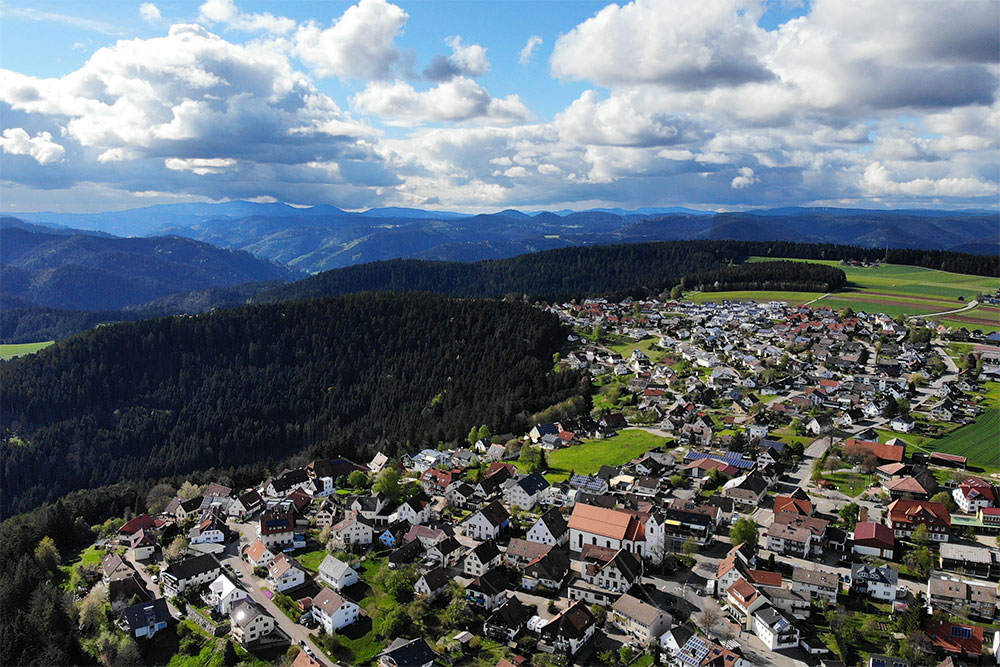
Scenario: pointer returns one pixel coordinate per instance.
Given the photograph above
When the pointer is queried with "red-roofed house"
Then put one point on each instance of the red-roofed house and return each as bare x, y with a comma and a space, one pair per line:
974, 493
905, 515
436, 481
885, 453
957, 641
874, 539
792, 504
134, 525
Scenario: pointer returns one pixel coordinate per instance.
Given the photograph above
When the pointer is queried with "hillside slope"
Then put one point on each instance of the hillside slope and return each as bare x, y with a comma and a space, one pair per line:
89, 272
161, 397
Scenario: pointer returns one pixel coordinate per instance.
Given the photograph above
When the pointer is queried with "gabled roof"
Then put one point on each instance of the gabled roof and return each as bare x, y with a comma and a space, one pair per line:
518, 548
408, 652
872, 531
191, 567
511, 614
606, 522
553, 565
555, 522
533, 483
146, 613
911, 511
494, 513
436, 579
955, 638
334, 568
490, 583
256, 550
794, 505
329, 601
571, 623
486, 551
635, 609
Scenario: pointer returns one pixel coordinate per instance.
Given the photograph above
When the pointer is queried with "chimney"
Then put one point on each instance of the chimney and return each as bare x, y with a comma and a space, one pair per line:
863, 514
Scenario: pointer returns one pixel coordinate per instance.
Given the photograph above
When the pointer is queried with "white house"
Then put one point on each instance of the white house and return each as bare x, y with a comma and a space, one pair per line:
877, 582
487, 522
336, 573
775, 630
550, 528
597, 526
333, 611
974, 493
432, 584
484, 557
354, 530
414, 512
224, 593
284, 574
258, 555
193, 571
525, 492
902, 424
248, 622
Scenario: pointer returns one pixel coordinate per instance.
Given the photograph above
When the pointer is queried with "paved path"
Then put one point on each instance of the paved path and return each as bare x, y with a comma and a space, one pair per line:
972, 304
816, 299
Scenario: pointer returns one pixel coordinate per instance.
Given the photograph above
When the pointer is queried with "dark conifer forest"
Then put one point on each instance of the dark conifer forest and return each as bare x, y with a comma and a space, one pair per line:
790, 276
166, 396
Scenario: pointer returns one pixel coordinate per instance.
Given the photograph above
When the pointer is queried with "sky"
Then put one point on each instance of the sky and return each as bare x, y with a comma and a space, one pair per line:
485, 105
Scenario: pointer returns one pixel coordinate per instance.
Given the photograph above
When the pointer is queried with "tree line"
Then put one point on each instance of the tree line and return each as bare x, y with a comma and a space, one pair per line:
345, 376
785, 276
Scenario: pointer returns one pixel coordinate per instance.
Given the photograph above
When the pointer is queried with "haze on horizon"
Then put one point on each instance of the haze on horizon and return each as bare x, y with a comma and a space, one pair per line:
711, 104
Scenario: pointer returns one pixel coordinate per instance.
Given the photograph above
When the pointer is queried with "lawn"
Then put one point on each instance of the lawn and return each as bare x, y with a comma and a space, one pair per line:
588, 457
17, 349
849, 483
646, 345
91, 556
311, 559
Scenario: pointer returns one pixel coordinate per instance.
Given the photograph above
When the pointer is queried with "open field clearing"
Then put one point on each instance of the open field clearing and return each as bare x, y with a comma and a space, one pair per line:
792, 298
18, 349
588, 457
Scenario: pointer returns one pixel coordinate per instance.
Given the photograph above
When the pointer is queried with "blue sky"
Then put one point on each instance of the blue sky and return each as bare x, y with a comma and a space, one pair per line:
717, 104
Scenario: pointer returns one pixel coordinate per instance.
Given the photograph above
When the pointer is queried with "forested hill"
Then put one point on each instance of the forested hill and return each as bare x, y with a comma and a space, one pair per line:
635, 269
789, 276
160, 397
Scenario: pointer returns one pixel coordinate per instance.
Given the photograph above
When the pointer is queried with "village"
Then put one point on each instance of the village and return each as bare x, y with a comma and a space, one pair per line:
755, 484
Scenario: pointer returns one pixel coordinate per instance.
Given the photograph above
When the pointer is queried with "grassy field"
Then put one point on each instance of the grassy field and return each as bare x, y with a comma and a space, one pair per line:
978, 441
894, 290
849, 483
592, 454
792, 298
311, 559
18, 349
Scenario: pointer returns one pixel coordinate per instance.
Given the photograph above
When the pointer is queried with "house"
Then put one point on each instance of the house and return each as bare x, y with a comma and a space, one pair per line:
447, 552
526, 492
407, 653
744, 599
426, 535
550, 528
333, 611
794, 504
143, 522
182, 510
249, 623
507, 620
142, 544
796, 534
212, 529
355, 530
818, 584
145, 619
326, 513
432, 584
246, 505
281, 486
611, 569
954, 640
684, 520
570, 630
876, 582
819, 425
975, 560
223, 593
888, 452
775, 630
902, 424
483, 557
114, 566
436, 482
276, 531
547, 571
974, 493
487, 523
258, 555
970, 598
489, 589
612, 529
193, 571
521, 552
700, 652
874, 539
126, 589
284, 573
918, 487
337, 574
905, 515
747, 490
673, 639
639, 619
378, 463
878, 660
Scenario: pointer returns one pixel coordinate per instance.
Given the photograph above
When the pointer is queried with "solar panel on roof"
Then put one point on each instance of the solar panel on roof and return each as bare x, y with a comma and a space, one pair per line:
961, 632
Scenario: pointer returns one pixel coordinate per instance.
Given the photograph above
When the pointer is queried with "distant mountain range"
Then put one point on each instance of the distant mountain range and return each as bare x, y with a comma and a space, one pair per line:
324, 237
86, 271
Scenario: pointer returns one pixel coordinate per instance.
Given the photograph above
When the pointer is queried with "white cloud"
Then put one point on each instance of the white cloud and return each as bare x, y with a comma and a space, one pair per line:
456, 100
877, 180
225, 11
745, 179
529, 49
360, 44
15, 141
150, 12
200, 166
470, 59
616, 121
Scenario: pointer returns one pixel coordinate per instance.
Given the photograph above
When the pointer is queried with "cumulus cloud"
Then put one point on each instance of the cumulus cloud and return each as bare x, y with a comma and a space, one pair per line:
200, 166
615, 121
456, 100
150, 12
877, 180
225, 11
16, 141
693, 44
361, 44
528, 52
465, 60
745, 179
